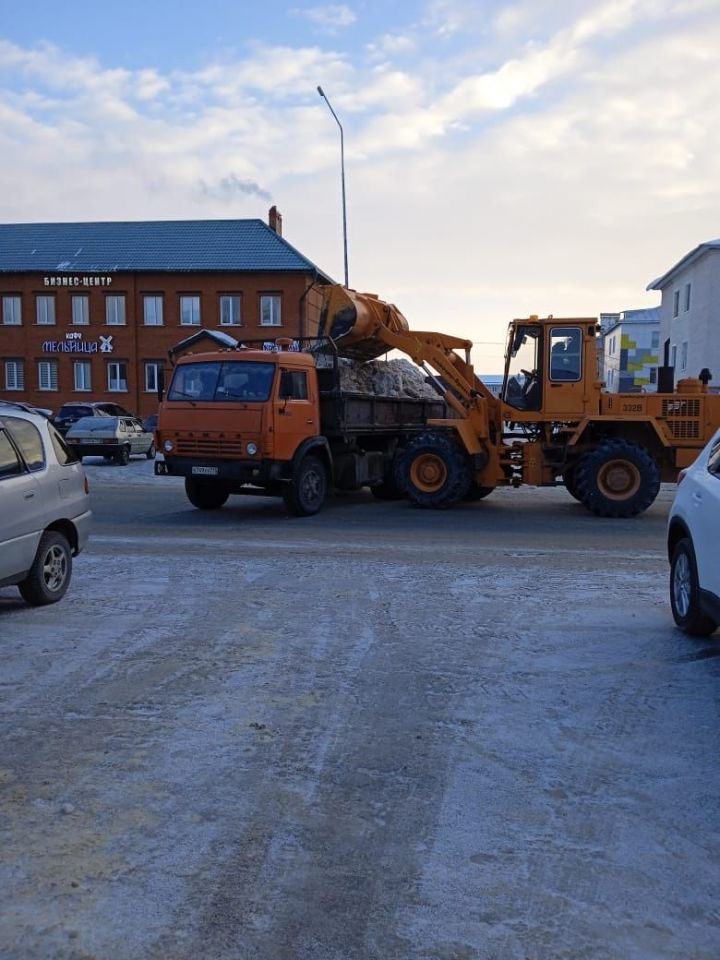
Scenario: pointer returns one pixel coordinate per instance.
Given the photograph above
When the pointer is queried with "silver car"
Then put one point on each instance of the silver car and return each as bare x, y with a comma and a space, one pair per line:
44, 507
115, 438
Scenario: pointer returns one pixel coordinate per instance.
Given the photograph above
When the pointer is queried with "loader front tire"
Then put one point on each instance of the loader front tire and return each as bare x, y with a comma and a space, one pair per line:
617, 479
570, 483
434, 471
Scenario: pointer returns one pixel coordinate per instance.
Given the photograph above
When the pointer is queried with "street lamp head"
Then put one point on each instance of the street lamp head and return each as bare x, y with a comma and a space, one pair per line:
320, 91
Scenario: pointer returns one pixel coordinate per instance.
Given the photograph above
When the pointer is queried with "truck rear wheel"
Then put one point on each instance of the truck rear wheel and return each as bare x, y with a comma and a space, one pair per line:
307, 492
434, 471
206, 494
617, 479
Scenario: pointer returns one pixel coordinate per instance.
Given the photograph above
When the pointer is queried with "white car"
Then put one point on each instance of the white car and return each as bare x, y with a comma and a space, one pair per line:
694, 544
44, 507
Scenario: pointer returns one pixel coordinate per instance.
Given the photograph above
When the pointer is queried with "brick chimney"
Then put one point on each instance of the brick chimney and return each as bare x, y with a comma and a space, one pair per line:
275, 220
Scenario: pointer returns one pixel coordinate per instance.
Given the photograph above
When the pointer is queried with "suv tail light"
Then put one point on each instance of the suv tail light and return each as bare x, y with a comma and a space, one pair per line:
681, 476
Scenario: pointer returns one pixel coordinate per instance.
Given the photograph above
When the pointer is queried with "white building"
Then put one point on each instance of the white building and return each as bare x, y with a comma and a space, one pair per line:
629, 350
690, 312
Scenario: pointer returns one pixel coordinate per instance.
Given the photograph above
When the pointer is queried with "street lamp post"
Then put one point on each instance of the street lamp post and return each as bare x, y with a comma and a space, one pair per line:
342, 175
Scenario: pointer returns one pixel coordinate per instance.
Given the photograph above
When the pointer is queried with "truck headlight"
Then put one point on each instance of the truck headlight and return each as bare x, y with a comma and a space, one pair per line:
252, 449
168, 446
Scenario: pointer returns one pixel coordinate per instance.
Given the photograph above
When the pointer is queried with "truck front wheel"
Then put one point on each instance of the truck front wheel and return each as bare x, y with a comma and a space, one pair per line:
206, 494
434, 471
617, 479
307, 492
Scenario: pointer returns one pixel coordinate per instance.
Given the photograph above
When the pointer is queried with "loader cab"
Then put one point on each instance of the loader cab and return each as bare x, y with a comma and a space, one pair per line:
522, 384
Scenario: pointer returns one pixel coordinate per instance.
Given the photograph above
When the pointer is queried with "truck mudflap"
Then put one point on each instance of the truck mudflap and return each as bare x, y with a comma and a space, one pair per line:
238, 471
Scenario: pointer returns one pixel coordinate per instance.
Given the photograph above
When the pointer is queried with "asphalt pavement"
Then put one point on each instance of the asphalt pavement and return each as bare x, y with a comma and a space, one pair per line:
375, 733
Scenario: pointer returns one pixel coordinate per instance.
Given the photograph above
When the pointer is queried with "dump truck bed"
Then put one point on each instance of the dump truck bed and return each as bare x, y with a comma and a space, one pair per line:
343, 413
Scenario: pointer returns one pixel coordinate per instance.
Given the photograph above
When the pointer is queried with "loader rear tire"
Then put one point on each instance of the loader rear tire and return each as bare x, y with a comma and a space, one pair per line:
206, 494
434, 471
570, 483
617, 479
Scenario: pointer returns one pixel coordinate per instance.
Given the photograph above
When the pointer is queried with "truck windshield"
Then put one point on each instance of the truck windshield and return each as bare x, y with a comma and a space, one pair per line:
222, 381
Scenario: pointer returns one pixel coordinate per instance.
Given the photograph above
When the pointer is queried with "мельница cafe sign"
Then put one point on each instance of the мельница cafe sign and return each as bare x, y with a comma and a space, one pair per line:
74, 343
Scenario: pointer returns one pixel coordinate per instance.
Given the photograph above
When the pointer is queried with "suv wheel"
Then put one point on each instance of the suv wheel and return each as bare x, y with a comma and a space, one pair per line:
49, 576
685, 592
123, 456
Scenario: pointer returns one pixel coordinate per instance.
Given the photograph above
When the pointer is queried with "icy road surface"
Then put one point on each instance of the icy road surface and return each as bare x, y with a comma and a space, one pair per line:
376, 734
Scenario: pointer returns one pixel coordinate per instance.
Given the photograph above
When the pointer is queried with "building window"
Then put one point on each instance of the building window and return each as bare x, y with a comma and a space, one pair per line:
45, 311
11, 312
117, 376
270, 310
80, 311
47, 375
14, 375
153, 311
673, 355
683, 355
190, 311
230, 310
115, 310
153, 376
687, 297
82, 375
653, 374
655, 339
676, 303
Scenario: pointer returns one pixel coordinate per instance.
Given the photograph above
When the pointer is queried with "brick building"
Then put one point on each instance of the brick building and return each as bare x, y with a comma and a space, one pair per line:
90, 310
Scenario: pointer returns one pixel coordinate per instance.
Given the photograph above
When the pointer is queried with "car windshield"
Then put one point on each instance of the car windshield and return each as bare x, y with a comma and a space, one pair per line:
222, 381
91, 424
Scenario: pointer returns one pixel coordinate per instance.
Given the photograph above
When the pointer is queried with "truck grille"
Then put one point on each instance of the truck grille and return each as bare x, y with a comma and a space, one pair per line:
683, 418
209, 446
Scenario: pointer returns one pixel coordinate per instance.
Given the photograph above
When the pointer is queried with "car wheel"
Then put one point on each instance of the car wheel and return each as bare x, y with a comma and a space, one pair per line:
685, 592
123, 456
151, 452
206, 494
49, 576
307, 492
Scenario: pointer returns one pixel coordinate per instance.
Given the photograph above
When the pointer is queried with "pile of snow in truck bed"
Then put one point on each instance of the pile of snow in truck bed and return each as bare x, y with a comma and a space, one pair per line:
385, 378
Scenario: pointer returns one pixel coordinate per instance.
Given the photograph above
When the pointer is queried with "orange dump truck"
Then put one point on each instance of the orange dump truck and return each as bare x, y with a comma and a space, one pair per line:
275, 422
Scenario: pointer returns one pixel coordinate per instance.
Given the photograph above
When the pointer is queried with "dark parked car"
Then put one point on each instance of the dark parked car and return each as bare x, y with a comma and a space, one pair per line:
114, 409
70, 413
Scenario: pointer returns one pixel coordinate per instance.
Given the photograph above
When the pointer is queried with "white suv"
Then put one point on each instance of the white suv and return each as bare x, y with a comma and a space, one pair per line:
694, 544
44, 507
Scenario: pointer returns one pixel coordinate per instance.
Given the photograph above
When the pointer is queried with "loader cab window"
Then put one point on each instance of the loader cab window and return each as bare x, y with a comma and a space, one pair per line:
522, 387
565, 353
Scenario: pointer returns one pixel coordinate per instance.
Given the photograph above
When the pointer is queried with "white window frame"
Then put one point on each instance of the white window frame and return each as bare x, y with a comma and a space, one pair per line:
270, 307
83, 383
687, 297
655, 340
116, 382
45, 310
683, 355
234, 303
14, 375
673, 355
47, 375
80, 306
115, 310
152, 372
676, 303
191, 301
11, 310
153, 317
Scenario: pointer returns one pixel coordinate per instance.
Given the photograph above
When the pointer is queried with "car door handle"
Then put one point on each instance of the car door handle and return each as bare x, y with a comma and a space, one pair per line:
29, 496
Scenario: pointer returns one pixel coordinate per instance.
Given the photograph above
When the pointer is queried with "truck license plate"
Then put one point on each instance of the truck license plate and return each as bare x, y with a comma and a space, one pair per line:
205, 471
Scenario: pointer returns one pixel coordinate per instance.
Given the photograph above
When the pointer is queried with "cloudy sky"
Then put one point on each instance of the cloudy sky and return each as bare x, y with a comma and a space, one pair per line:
501, 159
